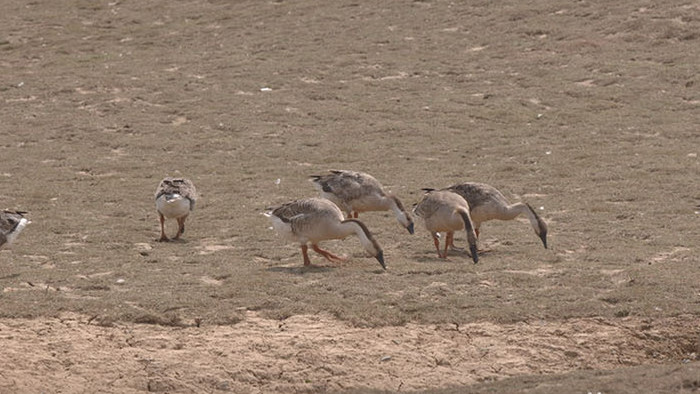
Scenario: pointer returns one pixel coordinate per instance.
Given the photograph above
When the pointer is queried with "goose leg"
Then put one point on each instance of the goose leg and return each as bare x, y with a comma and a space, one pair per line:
436, 240
305, 253
481, 250
328, 255
453, 247
451, 243
163, 237
182, 225
180, 228
356, 214
449, 240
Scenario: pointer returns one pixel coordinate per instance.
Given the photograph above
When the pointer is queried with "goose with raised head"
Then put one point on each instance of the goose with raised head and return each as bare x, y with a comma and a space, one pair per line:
487, 203
312, 220
175, 199
356, 192
444, 211
11, 224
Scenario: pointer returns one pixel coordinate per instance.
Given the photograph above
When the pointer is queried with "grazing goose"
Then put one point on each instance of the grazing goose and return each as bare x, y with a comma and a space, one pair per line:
487, 203
356, 192
11, 224
175, 198
445, 211
312, 220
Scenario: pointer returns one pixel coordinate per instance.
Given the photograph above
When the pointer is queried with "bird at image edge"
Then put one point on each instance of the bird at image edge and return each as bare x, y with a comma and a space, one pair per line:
11, 224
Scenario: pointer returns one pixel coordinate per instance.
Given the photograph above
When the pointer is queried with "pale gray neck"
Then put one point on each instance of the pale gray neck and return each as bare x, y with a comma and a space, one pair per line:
520, 208
394, 204
354, 226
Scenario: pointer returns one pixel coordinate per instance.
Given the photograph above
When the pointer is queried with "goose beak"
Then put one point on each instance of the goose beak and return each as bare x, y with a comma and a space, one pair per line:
410, 228
380, 258
543, 237
475, 256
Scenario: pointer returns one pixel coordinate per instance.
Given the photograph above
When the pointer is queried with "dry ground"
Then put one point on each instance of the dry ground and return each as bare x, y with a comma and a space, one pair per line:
588, 110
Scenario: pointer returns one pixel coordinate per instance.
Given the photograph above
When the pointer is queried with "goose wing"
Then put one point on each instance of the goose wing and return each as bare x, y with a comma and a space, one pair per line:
348, 185
478, 194
305, 214
181, 186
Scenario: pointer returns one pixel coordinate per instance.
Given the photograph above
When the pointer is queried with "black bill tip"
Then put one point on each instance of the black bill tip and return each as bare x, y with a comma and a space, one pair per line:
475, 255
543, 237
380, 258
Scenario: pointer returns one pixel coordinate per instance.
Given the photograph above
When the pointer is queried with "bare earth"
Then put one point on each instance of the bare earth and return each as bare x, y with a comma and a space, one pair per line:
586, 110
318, 353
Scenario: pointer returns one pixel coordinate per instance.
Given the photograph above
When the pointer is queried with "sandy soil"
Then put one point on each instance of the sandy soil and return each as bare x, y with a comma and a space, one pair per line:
318, 353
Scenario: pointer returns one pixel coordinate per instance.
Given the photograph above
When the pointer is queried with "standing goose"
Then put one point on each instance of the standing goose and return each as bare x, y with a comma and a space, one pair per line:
11, 224
356, 192
487, 203
445, 211
175, 198
312, 220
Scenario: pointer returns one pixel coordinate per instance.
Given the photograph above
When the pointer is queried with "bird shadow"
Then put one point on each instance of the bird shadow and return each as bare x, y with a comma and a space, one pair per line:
453, 255
171, 241
301, 270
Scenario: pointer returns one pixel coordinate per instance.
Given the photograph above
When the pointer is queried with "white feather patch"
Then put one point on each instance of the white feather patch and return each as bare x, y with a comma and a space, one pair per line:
13, 235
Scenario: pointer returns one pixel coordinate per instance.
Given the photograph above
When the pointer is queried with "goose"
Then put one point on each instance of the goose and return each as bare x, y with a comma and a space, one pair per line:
356, 192
446, 211
312, 220
11, 224
175, 198
487, 203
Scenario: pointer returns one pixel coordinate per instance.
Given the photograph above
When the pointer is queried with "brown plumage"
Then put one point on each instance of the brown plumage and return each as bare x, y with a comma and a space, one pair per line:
175, 198
312, 220
487, 203
356, 192
446, 211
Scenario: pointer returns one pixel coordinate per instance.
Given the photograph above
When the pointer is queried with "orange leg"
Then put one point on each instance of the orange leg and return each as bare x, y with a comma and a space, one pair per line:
328, 255
449, 240
436, 240
452, 240
356, 214
163, 237
180, 227
305, 252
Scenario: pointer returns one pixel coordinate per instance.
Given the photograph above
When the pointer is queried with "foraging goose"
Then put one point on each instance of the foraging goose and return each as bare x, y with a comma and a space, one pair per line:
175, 198
312, 220
356, 192
446, 211
487, 203
11, 224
